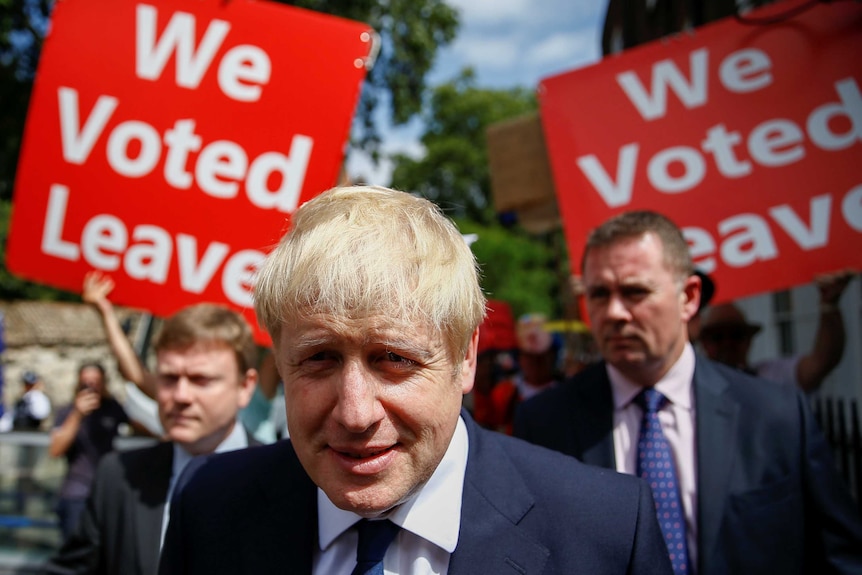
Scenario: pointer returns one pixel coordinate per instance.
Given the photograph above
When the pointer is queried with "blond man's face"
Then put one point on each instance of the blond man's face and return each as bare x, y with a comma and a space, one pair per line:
372, 405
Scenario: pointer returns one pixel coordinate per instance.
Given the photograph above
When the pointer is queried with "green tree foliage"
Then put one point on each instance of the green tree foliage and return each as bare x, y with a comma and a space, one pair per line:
411, 32
516, 268
22, 28
12, 287
454, 171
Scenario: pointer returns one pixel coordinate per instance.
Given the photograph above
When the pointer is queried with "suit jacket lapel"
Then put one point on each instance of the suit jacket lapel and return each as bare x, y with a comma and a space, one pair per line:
716, 419
149, 519
285, 527
150, 505
495, 500
594, 418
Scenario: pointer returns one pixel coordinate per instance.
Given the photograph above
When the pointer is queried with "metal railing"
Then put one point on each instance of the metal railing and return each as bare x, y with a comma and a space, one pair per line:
839, 420
29, 482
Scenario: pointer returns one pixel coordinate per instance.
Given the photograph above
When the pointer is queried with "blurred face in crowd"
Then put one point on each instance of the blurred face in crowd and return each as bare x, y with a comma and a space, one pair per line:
729, 346
726, 336
200, 389
91, 378
638, 306
484, 380
372, 404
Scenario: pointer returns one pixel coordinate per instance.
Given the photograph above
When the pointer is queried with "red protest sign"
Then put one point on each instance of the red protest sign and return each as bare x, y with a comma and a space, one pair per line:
168, 142
748, 136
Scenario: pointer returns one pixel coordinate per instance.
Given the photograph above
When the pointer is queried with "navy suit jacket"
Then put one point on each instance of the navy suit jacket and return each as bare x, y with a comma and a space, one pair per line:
525, 510
769, 497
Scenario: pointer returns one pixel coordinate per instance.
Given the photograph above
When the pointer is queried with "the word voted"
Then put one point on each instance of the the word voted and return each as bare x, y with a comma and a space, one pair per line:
218, 169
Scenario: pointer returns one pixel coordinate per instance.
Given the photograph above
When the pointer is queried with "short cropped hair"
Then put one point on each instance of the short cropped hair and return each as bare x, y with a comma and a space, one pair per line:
209, 324
93, 365
102, 374
634, 224
364, 251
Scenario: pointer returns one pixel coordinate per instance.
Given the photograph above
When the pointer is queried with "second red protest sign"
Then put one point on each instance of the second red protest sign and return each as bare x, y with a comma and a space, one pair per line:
748, 136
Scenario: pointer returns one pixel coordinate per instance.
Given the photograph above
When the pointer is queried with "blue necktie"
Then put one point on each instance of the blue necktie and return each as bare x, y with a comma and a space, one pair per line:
655, 465
374, 539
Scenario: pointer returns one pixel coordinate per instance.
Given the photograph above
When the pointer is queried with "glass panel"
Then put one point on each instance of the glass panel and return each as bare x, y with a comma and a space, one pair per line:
29, 482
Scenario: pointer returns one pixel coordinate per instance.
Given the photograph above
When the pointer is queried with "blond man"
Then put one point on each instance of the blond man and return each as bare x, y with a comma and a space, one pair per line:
373, 303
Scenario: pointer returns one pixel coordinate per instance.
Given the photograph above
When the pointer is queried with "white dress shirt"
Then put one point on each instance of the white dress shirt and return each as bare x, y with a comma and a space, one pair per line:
677, 419
430, 522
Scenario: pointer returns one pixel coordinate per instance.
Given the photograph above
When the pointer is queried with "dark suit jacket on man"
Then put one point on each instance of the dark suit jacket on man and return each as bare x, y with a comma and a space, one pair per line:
769, 499
120, 530
525, 510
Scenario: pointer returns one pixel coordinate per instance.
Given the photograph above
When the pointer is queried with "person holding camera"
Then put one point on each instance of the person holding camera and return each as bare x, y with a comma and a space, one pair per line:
83, 432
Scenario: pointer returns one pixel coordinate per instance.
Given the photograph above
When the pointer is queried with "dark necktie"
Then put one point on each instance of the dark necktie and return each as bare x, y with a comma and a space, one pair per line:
655, 465
374, 539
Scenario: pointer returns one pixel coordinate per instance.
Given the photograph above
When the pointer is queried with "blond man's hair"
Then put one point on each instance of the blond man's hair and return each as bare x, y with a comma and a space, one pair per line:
368, 251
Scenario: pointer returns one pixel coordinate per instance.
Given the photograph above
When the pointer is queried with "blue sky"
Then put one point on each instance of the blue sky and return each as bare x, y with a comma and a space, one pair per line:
508, 43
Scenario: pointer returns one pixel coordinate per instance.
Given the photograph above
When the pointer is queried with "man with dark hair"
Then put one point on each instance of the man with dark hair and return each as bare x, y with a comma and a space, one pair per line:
84, 431
743, 479
204, 375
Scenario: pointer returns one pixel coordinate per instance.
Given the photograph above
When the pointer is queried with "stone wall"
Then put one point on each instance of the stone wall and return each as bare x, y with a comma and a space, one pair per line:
54, 339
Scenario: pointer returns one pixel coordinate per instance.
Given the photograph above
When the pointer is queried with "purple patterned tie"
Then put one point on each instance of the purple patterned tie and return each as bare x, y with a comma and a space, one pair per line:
655, 465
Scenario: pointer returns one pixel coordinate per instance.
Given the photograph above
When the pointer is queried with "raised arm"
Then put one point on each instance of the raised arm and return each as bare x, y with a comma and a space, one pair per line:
828, 347
97, 287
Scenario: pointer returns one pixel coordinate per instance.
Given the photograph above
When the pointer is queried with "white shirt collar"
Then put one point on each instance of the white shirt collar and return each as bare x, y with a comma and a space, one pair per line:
236, 439
675, 384
433, 513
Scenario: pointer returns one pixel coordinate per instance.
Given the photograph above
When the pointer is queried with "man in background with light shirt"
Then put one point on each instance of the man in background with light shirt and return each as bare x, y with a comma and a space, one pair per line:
745, 466
203, 377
